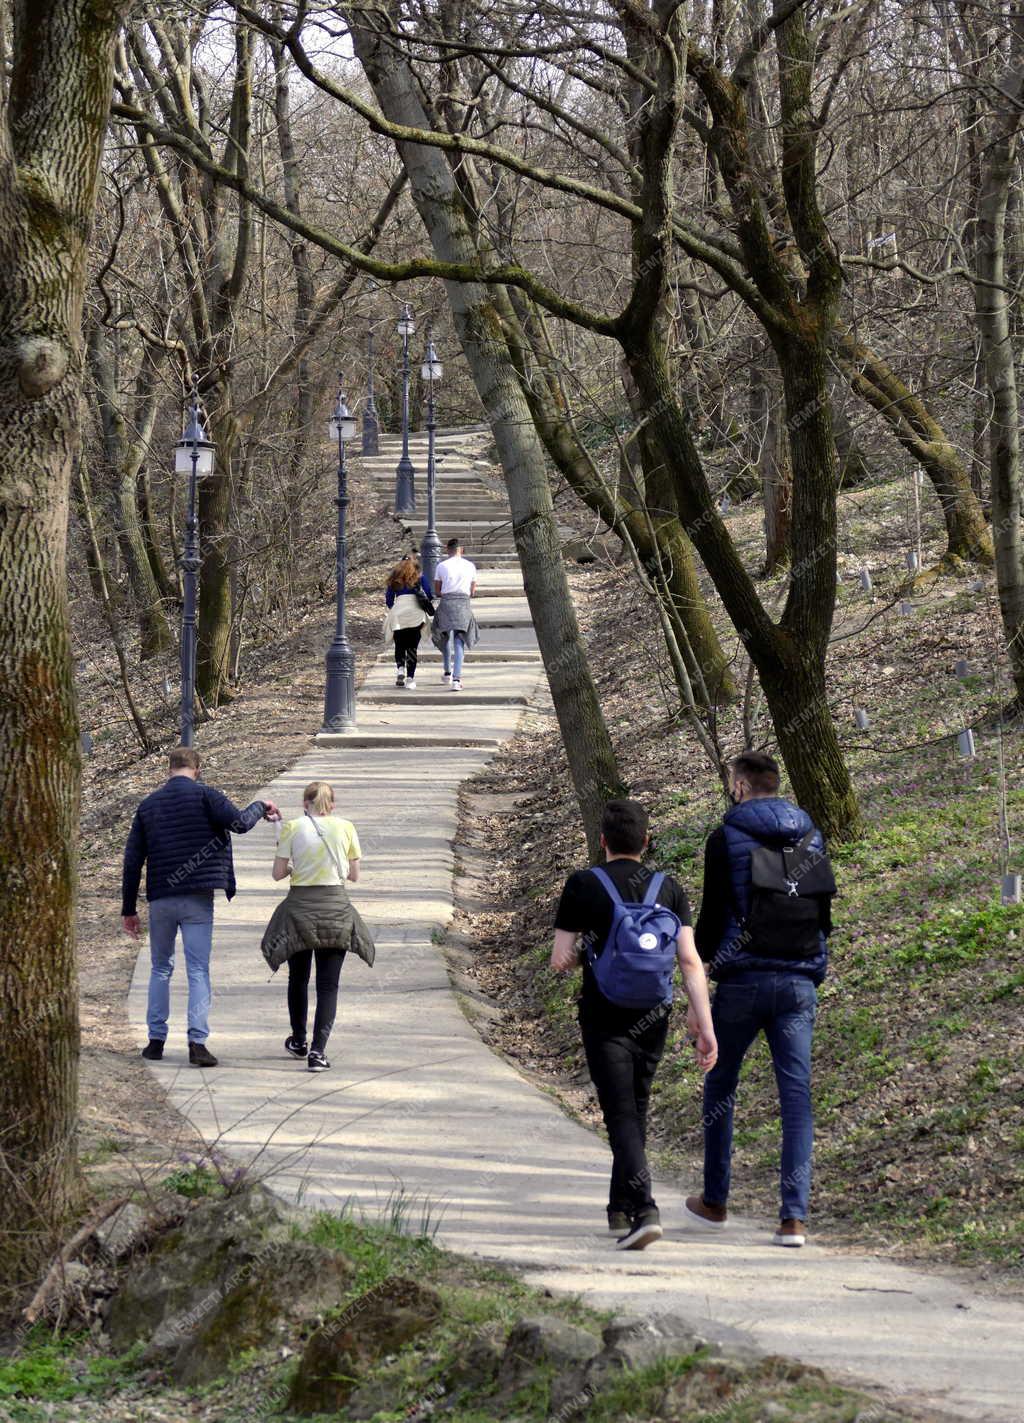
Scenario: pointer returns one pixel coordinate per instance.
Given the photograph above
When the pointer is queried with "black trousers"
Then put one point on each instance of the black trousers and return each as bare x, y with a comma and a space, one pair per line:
407, 641
328, 974
622, 1067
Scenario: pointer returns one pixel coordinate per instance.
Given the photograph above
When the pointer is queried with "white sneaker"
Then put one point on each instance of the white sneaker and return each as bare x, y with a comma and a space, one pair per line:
410, 684
399, 679
456, 685
446, 676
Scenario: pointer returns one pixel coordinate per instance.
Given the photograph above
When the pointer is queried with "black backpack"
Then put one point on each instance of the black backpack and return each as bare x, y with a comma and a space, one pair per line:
786, 889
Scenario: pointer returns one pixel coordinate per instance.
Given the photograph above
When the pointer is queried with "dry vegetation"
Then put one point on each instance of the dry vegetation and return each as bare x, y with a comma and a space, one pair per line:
918, 1081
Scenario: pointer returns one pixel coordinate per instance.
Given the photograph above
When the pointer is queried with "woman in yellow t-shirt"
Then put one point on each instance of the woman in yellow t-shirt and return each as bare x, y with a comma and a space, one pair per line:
319, 851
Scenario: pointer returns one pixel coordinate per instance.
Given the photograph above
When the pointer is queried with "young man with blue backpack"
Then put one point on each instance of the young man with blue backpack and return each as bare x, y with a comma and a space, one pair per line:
635, 926
763, 927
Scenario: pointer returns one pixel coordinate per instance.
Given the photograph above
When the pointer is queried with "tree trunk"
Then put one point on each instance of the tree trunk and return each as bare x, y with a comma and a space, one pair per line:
992, 303
659, 540
96, 560
920, 434
854, 465
50, 143
790, 659
155, 634
213, 658
777, 489
123, 455
588, 747
164, 582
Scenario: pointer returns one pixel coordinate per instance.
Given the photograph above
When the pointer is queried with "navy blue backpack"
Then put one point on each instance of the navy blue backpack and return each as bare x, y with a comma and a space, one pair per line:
636, 967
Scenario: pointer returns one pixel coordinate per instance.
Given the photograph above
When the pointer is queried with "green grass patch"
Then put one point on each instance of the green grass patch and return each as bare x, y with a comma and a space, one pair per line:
48, 1370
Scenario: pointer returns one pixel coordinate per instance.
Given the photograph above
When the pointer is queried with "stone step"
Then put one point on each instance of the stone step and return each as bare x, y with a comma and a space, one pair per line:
461, 723
487, 683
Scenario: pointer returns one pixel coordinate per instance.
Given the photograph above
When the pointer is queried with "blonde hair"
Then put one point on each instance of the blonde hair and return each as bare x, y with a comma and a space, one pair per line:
319, 796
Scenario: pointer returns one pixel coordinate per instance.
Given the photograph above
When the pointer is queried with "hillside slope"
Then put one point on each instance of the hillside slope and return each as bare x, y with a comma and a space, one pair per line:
919, 1083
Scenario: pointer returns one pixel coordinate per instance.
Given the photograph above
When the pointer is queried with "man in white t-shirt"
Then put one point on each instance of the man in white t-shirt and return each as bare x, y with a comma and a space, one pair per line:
455, 584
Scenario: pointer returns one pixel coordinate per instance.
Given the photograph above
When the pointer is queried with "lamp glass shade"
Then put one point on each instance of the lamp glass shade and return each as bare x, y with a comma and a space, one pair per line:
406, 325
194, 442
342, 424
432, 370
183, 457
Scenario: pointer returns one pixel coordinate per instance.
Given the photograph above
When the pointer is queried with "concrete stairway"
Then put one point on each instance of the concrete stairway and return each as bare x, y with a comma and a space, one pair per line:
503, 670
466, 504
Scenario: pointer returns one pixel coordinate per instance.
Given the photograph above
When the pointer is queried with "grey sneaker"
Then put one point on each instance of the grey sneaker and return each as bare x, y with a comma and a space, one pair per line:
646, 1229
618, 1223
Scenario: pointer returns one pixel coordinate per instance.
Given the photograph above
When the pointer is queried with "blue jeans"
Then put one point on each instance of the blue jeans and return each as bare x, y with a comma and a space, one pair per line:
784, 1005
193, 915
453, 659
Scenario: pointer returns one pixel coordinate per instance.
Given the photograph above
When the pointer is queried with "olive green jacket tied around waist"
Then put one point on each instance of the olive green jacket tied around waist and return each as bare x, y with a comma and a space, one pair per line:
315, 916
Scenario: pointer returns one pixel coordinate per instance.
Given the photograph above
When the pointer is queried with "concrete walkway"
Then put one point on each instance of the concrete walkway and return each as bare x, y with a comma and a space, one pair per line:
416, 1105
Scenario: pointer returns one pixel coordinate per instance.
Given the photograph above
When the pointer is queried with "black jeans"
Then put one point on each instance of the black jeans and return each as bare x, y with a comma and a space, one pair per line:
328, 973
622, 1067
407, 641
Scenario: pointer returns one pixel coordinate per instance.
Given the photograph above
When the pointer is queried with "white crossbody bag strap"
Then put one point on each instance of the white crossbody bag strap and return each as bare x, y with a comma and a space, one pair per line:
329, 848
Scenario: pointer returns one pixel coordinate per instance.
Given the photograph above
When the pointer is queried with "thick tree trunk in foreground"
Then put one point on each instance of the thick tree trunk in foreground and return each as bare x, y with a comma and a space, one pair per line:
587, 744
50, 143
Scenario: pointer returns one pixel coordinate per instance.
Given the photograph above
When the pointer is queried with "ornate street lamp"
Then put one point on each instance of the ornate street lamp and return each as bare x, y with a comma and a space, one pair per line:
405, 474
193, 455
371, 426
430, 548
340, 695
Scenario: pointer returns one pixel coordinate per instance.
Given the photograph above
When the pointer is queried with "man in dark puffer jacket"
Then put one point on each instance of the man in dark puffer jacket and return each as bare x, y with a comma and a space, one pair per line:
182, 833
757, 993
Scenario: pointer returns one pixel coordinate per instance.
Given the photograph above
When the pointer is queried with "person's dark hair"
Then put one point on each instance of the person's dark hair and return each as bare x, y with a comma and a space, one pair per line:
760, 771
405, 574
184, 758
453, 545
624, 827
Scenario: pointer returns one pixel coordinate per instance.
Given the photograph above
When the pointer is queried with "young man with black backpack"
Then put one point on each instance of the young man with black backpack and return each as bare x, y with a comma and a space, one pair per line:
635, 925
764, 921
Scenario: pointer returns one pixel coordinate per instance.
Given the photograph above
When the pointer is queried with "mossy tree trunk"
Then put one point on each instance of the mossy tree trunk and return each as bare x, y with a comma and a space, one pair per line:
999, 167
921, 435
51, 138
591, 757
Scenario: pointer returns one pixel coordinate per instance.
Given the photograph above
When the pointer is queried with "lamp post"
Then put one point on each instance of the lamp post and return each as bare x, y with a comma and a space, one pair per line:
430, 548
193, 455
371, 426
340, 695
405, 474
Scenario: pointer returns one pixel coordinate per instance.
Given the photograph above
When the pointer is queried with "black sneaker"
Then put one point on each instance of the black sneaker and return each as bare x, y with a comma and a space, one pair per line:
646, 1229
295, 1048
317, 1062
154, 1050
618, 1222
199, 1055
